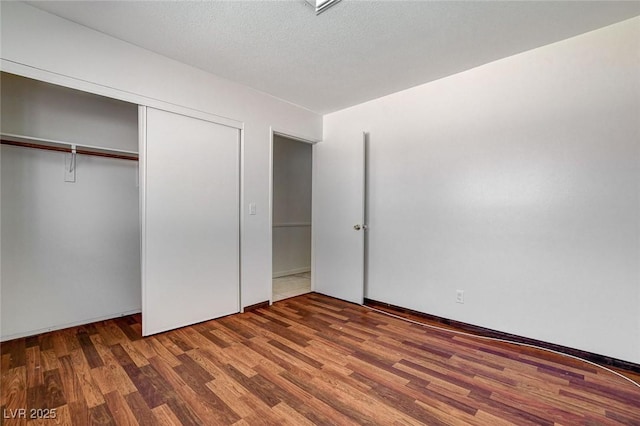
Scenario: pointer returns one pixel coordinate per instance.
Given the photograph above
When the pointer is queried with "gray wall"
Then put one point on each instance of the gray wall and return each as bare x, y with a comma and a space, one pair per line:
70, 251
519, 183
291, 206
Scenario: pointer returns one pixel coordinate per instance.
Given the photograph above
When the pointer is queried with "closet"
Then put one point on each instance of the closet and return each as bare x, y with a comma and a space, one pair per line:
91, 230
70, 223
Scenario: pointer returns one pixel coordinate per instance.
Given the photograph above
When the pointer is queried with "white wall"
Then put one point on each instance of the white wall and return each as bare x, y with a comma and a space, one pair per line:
519, 183
67, 242
41, 40
291, 206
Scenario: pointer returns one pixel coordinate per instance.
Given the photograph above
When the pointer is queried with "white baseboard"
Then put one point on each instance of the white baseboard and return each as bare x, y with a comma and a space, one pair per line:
291, 272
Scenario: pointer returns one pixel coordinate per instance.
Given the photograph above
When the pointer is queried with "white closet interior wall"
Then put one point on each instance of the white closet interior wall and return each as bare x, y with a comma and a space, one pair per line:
43, 110
70, 251
291, 206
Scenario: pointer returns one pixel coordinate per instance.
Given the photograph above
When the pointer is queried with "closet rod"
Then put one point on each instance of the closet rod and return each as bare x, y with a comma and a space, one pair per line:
68, 149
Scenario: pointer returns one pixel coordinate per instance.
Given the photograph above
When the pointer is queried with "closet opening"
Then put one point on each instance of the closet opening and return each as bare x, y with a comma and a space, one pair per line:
291, 217
70, 223
104, 216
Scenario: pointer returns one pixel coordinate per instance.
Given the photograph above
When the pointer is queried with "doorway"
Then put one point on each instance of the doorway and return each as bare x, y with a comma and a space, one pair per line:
291, 217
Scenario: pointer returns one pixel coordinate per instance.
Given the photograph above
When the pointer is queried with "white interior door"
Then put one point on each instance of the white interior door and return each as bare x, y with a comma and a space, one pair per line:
190, 220
338, 215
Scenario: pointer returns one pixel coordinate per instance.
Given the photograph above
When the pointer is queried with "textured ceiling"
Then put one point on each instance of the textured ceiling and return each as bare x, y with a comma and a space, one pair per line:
353, 52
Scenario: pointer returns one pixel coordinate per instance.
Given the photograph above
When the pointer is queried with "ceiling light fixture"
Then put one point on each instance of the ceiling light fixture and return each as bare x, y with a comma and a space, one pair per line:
321, 5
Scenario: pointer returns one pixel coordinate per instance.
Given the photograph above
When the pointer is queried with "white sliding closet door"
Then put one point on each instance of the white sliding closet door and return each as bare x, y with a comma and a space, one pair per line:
190, 221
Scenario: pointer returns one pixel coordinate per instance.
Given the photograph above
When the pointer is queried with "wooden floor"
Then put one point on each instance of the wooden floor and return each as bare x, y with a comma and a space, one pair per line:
306, 360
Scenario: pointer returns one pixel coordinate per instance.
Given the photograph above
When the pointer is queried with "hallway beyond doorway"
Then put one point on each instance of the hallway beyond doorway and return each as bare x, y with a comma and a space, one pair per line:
291, 285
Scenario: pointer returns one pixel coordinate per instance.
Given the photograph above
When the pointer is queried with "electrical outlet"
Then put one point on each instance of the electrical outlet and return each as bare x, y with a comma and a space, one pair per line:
460, 296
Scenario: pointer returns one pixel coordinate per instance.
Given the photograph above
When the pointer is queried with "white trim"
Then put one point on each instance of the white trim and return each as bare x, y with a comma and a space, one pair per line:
111, 92
241, 216
365, 216
314, 217
68, 325
142, 193
291, 272
289, 135
272, 133
295, 137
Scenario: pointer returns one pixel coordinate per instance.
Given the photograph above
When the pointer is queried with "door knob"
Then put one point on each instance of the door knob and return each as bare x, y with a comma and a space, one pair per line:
356, 227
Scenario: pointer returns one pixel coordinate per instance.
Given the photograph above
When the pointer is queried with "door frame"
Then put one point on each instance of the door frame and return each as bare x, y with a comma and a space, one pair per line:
273, 131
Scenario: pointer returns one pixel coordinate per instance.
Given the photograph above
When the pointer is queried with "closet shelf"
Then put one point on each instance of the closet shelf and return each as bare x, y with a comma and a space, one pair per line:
53, 145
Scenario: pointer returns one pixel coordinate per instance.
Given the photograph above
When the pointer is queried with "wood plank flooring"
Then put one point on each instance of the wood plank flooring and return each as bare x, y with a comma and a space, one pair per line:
306, 360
